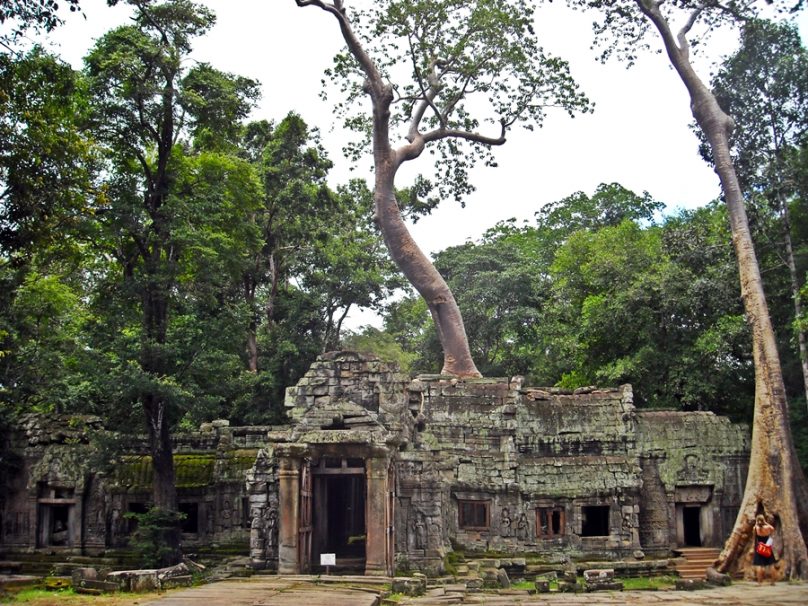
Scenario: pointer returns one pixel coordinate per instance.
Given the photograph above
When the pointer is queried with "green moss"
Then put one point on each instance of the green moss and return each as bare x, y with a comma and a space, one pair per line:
196, 470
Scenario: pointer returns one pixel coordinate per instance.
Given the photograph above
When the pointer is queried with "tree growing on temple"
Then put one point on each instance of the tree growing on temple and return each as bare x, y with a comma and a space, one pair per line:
775, 483
448, 76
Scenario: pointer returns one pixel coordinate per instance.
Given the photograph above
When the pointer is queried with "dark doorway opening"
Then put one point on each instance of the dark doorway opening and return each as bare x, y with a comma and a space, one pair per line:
54, 525
190, 523
339, 520
595, 522
691, 525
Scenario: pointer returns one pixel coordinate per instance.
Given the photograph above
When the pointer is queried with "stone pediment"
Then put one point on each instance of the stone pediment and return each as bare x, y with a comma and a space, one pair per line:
340, 421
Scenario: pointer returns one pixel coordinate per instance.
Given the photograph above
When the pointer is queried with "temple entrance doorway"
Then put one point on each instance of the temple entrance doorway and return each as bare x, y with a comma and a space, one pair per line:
56, 515
339, 505
691, 525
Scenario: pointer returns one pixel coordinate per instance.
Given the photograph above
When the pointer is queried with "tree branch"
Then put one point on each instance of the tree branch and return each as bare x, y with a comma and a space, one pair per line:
447, 133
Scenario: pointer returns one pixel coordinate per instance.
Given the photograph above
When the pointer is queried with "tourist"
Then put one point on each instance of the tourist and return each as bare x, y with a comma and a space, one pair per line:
763, 559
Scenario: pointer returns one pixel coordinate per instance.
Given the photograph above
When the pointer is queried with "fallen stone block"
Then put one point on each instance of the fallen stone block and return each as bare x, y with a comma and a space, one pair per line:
568, 587
542, 586
135, 581
178, 581
102, 586
599, 574
81, 574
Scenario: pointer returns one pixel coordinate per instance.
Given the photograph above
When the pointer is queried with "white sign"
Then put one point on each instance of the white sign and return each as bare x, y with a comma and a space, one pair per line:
328, 559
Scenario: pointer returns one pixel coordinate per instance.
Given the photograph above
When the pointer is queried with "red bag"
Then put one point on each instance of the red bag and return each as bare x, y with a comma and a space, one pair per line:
763, 550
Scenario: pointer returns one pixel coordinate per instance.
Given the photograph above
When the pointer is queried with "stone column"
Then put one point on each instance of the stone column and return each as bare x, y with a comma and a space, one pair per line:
289, 512
375, 517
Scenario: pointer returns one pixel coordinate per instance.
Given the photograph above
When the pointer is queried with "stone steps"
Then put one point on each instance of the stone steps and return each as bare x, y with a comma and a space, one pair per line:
695, 561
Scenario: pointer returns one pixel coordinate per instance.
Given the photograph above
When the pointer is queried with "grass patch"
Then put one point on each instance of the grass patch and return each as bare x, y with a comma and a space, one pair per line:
68, 597
647, 583
523, 585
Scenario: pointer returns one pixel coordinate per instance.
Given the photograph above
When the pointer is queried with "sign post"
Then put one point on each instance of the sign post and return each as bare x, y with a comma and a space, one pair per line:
328, 560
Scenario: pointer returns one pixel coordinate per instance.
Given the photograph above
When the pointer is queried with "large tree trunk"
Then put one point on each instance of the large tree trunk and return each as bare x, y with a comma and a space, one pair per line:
406, 254
164, 489
427, 281
775, 483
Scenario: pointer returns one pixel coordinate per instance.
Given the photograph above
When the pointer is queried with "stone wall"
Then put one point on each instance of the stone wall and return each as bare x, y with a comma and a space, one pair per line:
485, 465
66, 491
517, 455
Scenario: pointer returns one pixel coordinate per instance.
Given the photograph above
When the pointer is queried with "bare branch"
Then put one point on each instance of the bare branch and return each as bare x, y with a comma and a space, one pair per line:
451, 133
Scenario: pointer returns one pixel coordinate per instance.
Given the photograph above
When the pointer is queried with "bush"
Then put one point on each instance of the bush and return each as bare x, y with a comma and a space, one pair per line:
157, 536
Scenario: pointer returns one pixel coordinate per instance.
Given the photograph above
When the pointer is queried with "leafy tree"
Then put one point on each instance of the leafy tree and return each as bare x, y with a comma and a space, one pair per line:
23, 15
449, 57
45, 169
45, 161
164, 208
297, 205
775, 482
610, 205
502, 284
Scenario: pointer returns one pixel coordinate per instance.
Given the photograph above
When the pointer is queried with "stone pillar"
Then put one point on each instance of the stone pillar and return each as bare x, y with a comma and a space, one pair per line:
375, 517
289, 506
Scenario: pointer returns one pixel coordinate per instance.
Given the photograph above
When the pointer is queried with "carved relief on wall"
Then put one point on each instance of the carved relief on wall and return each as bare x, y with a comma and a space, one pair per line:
418, 530
270, 532
692, 472
523, 527
505, 524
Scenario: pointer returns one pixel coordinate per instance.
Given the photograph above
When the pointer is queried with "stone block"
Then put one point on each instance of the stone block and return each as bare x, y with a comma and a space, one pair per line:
568, 587
503, 579
135, 581
599, 575
80, 574
474, 585
178, 581
542, 586
99, 586
144, 583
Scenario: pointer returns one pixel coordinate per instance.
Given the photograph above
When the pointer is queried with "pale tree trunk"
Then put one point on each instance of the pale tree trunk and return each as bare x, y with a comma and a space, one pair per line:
795, 291
775, 483
406, 254
251, 347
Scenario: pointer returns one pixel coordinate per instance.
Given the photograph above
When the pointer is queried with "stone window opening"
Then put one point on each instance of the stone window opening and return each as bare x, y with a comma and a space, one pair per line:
474, 515
595, 521
190, 523
550, 522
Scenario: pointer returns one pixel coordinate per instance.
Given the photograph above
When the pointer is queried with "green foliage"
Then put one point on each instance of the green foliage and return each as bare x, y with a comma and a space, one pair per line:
22, 16
155, 536
464, 73
370, 340
45, 163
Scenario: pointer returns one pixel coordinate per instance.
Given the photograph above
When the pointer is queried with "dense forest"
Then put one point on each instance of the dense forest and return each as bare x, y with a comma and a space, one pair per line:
166, 261
162, 244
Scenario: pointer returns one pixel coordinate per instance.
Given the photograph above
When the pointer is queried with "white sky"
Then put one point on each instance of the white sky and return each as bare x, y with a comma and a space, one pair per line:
637, 136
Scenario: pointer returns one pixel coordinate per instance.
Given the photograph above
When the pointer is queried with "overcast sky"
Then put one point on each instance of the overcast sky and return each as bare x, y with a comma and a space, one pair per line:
638, 136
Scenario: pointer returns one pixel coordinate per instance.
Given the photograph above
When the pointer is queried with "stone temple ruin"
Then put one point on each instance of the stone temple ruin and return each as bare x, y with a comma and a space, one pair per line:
391, 474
